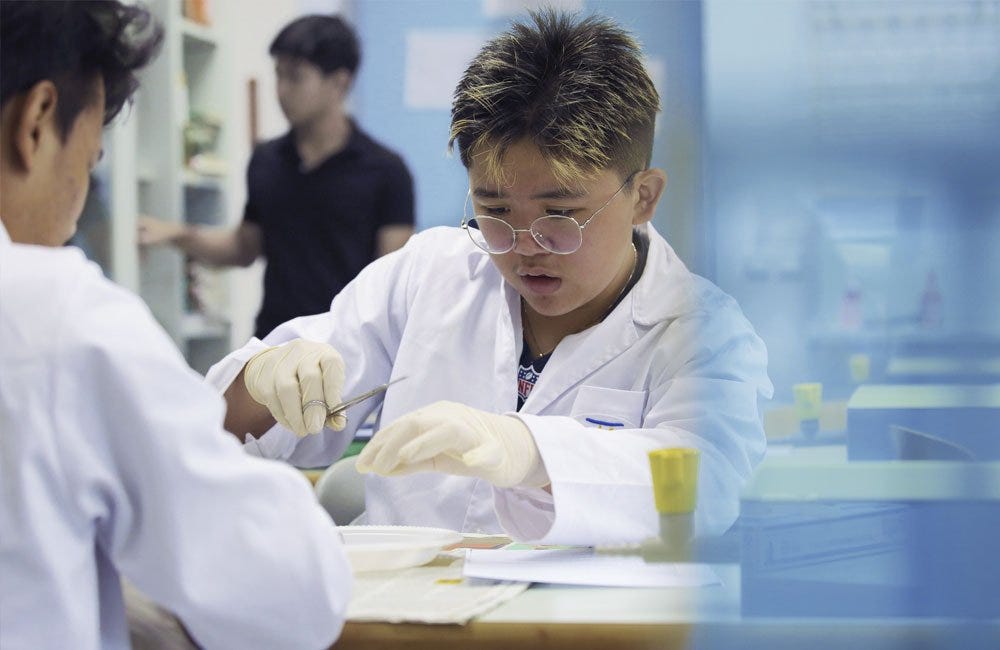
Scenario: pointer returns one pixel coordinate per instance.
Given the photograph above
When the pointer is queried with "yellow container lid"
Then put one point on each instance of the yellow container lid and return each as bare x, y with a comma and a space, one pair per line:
808, 400
675, 479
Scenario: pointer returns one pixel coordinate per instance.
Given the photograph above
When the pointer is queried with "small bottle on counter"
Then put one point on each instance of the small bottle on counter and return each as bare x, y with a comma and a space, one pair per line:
808, 407
675, 482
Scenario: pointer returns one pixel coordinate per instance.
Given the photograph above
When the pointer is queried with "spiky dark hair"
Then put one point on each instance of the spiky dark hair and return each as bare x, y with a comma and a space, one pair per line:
574, 87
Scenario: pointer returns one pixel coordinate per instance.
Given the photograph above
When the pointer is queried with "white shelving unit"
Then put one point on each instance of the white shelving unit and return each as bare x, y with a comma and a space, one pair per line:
151, 175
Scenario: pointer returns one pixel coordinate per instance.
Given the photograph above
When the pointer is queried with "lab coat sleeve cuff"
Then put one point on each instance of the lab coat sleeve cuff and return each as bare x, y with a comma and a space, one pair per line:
599, 495
529, 514
277, 443
222, 374
526, 514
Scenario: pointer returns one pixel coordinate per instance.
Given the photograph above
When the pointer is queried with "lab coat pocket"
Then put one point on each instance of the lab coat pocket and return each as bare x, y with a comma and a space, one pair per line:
609, 408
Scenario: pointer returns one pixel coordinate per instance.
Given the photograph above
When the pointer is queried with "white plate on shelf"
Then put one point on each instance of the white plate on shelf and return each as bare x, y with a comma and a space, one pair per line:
381, 548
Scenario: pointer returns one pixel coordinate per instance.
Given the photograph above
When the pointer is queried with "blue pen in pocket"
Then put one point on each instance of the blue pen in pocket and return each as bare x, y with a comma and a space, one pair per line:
605, 424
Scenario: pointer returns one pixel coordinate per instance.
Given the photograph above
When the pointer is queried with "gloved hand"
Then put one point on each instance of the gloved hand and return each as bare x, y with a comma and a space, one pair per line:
286, 378
457, 439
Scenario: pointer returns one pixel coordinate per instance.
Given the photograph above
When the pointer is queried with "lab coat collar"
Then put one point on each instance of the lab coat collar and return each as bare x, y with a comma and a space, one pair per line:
666, 288
4, 237
580, 355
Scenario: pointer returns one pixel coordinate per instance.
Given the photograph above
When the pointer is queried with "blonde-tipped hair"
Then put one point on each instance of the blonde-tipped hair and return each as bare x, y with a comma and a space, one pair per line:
576, 88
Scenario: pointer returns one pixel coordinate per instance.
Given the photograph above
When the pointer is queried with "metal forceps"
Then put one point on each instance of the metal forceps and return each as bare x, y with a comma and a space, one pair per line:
357, 399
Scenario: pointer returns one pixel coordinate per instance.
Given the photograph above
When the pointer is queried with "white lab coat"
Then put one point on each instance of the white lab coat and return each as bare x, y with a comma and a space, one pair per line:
675, 363
113, 462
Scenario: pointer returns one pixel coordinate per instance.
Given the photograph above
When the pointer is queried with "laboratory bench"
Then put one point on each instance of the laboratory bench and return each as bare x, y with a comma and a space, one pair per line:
735, 614
749, 607
942, 369
578, 618
754, 606
933, 421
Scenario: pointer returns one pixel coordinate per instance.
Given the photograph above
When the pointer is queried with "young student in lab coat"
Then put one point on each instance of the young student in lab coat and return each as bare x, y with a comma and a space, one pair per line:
548, 343
113, 460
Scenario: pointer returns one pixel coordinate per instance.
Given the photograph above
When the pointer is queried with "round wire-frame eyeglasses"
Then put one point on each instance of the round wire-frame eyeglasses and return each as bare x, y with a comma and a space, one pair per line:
555, 233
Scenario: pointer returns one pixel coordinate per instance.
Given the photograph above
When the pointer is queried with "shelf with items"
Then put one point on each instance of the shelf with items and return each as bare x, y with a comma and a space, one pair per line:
198, 36
194, 181
181, 175
196, 12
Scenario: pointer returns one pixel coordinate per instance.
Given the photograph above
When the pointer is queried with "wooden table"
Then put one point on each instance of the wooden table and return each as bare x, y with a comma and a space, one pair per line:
570, 618
589, 618
507, 636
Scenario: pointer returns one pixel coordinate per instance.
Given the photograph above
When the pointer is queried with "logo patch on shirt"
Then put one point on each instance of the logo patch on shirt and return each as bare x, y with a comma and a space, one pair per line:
526, 380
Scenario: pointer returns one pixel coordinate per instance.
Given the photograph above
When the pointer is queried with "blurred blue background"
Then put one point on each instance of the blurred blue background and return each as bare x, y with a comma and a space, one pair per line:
835, 166
832, 164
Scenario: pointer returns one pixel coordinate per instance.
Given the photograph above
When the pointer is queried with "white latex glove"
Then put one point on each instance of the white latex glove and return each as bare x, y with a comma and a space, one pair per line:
457, 439
288, 377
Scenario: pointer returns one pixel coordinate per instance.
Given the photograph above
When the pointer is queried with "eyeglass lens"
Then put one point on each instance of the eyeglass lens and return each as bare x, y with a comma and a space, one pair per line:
554, 233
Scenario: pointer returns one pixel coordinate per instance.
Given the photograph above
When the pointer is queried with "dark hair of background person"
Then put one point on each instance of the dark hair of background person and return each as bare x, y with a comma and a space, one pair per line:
73, 44
327, 42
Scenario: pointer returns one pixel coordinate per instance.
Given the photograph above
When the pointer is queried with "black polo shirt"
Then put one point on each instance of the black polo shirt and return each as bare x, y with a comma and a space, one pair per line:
318, 227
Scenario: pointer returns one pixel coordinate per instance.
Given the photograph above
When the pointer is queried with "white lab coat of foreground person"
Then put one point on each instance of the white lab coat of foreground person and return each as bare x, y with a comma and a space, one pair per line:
114, 463
674, 364
113, 460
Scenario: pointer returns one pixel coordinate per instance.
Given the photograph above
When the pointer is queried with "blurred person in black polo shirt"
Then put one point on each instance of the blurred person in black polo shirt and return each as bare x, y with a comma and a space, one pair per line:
323, 200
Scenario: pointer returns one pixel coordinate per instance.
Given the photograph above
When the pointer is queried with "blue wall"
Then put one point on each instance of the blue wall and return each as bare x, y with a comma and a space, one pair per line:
766, 138
421, 135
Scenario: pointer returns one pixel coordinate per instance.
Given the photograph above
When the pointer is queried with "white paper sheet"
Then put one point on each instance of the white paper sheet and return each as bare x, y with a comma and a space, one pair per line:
435, 593
580, 566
